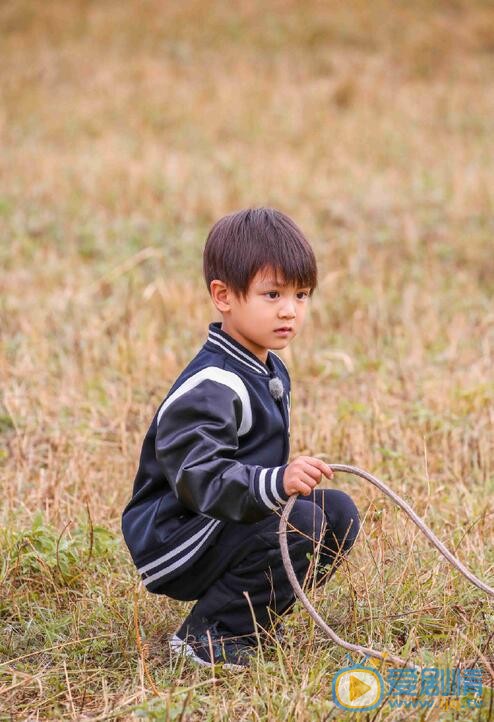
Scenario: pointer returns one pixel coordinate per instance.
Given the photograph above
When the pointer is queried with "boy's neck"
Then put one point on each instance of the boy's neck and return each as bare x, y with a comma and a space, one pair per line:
259, 351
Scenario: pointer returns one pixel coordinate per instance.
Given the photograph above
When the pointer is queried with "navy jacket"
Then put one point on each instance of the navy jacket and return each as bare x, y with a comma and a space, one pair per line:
216, 452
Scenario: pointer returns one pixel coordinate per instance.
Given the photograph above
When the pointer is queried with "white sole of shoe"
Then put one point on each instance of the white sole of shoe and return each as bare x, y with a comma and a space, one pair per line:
178, 646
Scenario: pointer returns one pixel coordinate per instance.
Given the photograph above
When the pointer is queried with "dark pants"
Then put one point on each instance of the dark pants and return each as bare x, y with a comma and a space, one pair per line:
247, 557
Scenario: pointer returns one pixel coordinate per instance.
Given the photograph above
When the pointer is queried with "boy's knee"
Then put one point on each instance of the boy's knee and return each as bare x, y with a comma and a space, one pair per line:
344, 517
308, 519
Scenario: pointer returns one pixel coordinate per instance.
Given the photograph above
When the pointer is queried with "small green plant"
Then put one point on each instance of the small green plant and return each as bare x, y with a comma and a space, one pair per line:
64, 553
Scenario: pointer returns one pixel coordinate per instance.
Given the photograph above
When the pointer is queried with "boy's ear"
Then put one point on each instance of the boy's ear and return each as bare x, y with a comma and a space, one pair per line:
220, 294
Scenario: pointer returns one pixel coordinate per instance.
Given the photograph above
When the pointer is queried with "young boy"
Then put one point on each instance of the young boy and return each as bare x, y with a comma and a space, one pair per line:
214, 475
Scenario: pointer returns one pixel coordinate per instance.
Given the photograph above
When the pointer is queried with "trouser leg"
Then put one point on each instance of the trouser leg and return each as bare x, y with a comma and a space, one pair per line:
261, 575
343, 524
247, 559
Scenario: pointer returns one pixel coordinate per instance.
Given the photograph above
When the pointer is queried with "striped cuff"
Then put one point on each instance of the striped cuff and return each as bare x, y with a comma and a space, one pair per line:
268, 487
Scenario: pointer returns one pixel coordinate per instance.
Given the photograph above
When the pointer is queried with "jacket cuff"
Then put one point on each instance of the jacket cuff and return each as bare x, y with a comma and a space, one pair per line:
268, 487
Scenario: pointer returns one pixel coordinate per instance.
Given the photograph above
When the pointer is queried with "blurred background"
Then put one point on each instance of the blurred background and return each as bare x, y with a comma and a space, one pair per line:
126, 131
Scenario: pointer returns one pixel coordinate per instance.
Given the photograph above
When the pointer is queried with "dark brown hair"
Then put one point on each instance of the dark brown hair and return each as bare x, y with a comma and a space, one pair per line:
242, 243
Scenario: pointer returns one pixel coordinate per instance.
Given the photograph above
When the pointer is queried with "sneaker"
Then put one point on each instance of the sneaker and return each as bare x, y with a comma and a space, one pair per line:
192, 640
280, 633
277, 635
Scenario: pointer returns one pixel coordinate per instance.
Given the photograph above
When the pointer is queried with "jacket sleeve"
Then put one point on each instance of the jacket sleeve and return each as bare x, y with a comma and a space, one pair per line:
197, 436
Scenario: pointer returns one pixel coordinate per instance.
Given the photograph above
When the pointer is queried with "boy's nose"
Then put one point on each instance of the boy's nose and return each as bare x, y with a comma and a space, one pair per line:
288, 311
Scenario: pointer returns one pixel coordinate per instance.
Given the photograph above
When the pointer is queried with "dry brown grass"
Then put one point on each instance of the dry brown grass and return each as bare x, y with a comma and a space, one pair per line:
126, 129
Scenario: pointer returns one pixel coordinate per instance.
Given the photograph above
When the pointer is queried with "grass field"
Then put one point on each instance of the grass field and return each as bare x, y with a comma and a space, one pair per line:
126, 130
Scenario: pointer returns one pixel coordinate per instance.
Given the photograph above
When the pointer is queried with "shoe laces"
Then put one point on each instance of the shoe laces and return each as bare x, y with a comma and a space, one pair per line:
222, 639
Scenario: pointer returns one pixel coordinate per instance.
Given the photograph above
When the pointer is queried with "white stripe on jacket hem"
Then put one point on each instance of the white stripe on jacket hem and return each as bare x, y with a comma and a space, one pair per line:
178, 549
171, 567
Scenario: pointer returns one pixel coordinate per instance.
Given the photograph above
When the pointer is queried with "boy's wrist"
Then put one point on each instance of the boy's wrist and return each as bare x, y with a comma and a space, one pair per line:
280, 484
268, 487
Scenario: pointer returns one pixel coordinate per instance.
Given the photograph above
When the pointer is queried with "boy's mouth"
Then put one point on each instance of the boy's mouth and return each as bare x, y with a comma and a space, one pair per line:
284, 330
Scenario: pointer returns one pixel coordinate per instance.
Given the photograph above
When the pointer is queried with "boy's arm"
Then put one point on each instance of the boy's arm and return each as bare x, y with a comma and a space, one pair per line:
197, 435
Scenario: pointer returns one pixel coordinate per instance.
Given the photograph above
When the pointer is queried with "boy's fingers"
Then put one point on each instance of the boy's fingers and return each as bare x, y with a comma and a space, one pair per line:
303, 488
324, 468
312, 471
309, 479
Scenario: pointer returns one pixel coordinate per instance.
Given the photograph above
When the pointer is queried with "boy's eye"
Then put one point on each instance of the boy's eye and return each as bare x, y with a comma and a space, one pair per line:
274, 294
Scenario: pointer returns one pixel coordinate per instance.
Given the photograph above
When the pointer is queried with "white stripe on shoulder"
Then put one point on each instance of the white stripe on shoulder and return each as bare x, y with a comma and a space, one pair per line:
220, 376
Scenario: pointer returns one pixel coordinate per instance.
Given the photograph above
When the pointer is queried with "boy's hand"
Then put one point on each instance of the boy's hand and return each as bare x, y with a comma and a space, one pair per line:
304, 473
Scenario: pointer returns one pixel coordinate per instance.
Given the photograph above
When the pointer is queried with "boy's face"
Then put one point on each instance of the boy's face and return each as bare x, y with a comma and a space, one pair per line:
269, 306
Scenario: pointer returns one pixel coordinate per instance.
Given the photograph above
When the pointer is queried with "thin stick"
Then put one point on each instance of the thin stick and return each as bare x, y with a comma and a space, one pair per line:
367, 651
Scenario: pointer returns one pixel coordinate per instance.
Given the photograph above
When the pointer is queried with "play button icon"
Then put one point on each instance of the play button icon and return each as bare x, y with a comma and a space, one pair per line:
357, 688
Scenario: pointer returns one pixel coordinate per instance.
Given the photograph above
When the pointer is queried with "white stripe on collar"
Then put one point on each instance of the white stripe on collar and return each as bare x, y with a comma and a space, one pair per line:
251, 362
281, 361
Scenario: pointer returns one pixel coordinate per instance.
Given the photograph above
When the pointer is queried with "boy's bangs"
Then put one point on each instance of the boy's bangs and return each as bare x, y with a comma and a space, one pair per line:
281, 272
259, 239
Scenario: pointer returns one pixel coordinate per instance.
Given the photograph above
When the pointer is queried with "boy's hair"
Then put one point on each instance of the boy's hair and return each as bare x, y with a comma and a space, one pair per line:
242, 243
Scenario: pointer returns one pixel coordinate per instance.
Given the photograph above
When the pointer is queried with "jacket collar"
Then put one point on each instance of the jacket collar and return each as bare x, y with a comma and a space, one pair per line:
222, 340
